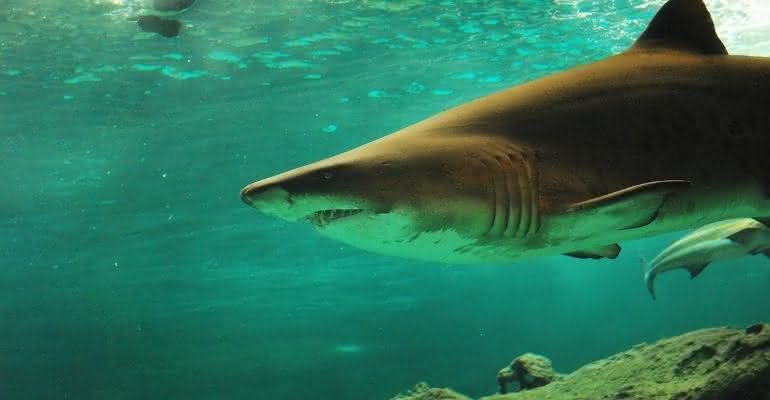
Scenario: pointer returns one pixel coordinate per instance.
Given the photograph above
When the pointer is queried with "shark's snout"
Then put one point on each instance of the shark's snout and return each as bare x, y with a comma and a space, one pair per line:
308, 193
254, 192
272, 199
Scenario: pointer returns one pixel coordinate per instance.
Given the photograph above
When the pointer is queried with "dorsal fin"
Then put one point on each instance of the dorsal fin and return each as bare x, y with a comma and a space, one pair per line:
683, 25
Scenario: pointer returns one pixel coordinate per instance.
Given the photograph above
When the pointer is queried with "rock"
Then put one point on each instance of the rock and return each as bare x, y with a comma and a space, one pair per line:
529, 370
709, 364
424, 392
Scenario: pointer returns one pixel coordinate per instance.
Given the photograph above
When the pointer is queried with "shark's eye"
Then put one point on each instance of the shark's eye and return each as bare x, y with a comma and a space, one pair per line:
327, 175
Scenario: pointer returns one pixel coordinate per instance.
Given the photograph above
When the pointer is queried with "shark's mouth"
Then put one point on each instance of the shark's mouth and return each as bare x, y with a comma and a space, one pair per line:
324, 217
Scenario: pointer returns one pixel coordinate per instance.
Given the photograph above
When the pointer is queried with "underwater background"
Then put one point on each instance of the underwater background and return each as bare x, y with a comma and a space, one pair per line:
130, 269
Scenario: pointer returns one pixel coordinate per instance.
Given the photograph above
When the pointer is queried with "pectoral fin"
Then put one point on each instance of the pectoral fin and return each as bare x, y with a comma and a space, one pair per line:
609, 251
695, 270
629, 208
649, 276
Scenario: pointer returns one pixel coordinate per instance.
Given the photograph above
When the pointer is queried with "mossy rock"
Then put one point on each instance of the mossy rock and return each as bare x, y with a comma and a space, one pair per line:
709, 364
424, 392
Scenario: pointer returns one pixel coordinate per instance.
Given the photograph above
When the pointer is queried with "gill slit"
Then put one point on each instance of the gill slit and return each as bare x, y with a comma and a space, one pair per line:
492, 195
502, 196
506, 169
527, 182
513, 195
514, 203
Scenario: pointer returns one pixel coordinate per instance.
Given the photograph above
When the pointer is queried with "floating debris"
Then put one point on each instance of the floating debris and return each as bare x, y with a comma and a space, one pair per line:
331, 128
162, 26
172, 5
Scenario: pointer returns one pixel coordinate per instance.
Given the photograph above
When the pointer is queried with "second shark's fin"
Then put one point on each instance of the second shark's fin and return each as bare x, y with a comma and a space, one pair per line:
755, 237
695, 270
746, 236
763, 220
629, 208
683, 25
609, 251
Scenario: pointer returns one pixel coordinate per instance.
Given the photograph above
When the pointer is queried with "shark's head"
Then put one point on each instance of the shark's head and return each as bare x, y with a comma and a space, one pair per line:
386, 195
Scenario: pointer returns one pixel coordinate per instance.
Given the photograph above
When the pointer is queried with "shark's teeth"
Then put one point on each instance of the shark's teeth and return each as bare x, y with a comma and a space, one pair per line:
324, 217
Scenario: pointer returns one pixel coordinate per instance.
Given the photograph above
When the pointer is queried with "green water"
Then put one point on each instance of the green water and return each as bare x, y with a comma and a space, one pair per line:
129, 268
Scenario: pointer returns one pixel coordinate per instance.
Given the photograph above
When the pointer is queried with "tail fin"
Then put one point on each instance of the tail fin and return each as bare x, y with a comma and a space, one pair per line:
648, 276
649, 280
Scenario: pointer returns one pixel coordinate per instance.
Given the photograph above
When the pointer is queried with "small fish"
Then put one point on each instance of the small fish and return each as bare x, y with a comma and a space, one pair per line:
728, 239
162, 26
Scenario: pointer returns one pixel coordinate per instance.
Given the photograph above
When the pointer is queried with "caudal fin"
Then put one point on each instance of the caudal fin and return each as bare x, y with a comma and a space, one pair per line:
649, 280
648, 274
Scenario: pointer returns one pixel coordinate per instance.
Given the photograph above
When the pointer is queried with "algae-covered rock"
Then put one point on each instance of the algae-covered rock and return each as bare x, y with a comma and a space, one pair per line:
716, 363
424, 392
529, 370
709, 364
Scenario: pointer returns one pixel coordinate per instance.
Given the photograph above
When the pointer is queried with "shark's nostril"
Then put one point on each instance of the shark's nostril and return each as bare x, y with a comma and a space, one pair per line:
272, 199
256, 192
247, 195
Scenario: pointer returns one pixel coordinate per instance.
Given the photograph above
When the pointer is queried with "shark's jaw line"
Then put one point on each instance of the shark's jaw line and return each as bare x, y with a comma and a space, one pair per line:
322, 218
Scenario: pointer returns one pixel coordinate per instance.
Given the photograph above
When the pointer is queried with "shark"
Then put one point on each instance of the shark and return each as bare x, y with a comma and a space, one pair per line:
722, 240
671, 134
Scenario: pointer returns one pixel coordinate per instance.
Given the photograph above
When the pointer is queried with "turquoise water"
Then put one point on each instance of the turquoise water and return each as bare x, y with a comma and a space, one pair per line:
131, 270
